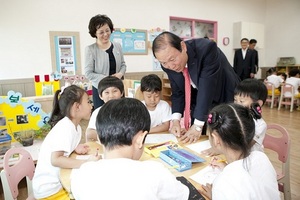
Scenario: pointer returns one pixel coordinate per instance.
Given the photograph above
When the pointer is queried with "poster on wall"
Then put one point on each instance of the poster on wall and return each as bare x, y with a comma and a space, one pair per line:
65, 56
133, 41
152, 34
65, 52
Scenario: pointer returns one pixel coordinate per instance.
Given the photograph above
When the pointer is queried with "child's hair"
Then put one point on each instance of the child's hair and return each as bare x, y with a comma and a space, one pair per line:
253, 88
151, 83
63, 101
271, 70
119, 120
294, 72
284, 76
234, 124
110, 81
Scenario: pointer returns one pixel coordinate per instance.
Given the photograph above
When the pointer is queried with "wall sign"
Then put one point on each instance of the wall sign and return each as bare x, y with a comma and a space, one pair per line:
133, 41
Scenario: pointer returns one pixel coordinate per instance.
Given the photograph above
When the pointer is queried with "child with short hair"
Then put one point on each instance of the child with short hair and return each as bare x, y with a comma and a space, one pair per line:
245, 174
122, 126
294, 80
253, 93
160, 110
275, 79
109, 88
70, 106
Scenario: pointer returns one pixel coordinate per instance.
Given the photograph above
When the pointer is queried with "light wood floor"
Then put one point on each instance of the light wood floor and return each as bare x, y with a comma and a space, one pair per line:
291, 121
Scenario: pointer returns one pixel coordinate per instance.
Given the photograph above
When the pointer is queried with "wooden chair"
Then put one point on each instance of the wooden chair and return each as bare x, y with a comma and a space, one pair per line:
287, 96
13, 173
281, 145
273, 95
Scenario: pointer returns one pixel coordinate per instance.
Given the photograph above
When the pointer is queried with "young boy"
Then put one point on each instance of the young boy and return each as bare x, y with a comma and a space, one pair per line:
122, 125
247, 93
109, 88
160, 110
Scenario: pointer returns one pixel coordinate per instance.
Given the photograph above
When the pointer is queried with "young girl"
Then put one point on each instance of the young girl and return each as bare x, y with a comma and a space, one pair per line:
70, 106
245, 174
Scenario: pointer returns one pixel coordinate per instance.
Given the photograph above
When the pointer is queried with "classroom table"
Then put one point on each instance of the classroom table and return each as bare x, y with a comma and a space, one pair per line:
65, 174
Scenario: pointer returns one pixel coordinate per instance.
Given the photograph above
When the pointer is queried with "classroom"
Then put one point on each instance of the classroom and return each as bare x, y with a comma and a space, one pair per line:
29, 30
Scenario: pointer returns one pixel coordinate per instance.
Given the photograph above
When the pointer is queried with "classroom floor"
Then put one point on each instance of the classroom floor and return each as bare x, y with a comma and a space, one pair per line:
287, 119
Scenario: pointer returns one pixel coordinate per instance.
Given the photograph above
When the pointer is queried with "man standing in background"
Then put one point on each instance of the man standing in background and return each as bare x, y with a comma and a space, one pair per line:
252, 44
244, 63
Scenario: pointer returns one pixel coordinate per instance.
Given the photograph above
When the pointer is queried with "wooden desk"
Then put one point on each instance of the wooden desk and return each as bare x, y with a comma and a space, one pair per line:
65, 174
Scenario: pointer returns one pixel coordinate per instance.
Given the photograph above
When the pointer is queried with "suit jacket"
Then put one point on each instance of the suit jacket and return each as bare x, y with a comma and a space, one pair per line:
243, 67
256, 60
211, 72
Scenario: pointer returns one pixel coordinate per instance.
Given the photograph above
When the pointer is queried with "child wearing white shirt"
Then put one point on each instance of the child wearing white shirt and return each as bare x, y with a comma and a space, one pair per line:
109, 88
160, 110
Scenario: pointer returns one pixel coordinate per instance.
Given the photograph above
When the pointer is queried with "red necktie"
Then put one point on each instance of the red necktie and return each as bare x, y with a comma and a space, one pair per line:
187, 88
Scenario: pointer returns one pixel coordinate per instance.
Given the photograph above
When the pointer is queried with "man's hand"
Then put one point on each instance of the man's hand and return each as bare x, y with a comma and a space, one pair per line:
192, 135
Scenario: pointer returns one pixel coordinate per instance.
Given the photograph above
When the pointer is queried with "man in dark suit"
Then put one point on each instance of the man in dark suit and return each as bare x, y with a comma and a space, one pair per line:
244, 61
252, 44
212, 78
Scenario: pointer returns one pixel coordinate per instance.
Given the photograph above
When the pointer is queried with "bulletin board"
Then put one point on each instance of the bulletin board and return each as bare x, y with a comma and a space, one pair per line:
133, 41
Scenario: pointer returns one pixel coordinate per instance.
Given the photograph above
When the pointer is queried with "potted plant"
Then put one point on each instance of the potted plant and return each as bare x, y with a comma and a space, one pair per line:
26, 137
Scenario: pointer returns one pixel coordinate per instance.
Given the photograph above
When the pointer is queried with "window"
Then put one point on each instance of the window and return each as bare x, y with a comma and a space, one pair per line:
193, 28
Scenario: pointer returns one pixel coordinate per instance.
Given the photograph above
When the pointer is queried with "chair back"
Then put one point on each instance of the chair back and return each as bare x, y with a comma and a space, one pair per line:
281, 145
272, 97
287, 90
23, 167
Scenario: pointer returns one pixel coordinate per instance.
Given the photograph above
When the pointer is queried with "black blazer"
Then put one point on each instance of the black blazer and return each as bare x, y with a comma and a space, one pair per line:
211, 72
243, 67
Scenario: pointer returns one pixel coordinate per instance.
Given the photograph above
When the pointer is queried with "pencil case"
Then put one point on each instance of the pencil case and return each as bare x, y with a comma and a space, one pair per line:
180, 159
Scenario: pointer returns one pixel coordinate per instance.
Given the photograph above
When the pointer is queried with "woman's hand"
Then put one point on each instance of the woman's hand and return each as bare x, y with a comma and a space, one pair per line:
82, 149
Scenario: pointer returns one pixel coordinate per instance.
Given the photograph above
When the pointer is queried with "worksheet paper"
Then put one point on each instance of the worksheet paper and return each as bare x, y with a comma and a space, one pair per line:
199, 146
160, 138
206, 175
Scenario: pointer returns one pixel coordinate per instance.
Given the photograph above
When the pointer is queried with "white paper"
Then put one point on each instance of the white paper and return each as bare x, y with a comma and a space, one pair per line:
199, 146
83, 157
160, 138
206, 175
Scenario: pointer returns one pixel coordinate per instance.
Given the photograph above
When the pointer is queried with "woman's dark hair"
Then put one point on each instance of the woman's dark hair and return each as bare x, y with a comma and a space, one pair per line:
63, 101
110, 81
166, 39
234, 124
119, 120
97, 21
151, 83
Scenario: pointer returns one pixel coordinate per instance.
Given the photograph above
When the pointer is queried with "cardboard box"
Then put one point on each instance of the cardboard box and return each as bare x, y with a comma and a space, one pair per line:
5, 143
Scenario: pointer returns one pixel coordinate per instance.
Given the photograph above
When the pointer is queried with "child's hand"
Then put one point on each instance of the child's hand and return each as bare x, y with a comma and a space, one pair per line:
209, 152
217, 162
82, 149
207, 190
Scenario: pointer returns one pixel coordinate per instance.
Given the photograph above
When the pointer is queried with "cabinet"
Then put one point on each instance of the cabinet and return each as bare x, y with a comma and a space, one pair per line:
248, 30
187, 28
286, 68
166, 89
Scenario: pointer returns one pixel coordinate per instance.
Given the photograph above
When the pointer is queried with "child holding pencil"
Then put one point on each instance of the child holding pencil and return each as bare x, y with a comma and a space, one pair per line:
246, 174
122, 125
159, 110
109, 88
70, 106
